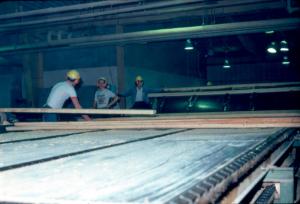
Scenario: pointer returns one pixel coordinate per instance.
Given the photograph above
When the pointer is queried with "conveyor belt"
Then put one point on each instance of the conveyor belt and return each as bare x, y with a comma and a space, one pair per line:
157, 167
16, 136
267, 195
10, 138
48, 149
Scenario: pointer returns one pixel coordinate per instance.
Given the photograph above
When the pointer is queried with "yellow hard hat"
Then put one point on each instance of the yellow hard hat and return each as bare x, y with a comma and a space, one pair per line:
73, 74
138, 78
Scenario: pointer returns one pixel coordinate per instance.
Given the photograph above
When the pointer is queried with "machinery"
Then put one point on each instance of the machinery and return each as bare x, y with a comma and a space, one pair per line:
227, 158
242, 97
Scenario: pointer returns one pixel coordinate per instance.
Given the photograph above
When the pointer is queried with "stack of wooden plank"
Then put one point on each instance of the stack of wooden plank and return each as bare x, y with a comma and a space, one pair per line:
208, 120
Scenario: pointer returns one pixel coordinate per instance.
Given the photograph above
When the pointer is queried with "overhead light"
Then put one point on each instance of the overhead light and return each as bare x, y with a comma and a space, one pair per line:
272, 48
285, 61
284, 46
188, 45
270, 32
226, 64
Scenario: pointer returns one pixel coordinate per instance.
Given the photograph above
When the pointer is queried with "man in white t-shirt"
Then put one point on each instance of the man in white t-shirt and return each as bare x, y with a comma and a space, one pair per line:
104, 98
60, 93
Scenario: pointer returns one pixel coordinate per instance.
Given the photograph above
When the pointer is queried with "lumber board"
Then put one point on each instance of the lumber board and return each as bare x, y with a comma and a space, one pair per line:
234, 86
154, 123
156, 126
79, 111
155, 120
231, 114
223, 92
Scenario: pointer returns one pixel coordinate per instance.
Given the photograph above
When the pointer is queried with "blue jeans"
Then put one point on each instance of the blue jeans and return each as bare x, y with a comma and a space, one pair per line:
49, 117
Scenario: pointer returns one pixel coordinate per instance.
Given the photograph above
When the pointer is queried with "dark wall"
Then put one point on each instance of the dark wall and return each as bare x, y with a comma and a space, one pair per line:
167, 57
80, 58
252, 73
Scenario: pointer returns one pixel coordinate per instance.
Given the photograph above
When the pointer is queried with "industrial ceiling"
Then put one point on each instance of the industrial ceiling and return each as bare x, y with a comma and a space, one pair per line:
217, 27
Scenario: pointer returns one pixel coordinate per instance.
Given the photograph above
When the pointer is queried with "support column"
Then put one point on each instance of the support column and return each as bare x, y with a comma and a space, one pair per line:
120, 67
33, 77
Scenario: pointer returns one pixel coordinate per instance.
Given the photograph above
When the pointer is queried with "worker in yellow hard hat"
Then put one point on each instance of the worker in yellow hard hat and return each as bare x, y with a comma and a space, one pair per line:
73, 75
61, 92
139, 94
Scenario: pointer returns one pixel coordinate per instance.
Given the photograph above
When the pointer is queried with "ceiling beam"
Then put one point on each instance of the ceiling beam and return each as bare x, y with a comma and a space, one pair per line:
163, 35
130, 11
154, 16
61, 9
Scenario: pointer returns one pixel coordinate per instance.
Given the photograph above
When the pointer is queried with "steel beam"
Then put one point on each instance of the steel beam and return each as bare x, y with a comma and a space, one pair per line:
130, 10
164, 14
76, 7
165, 34
109, 12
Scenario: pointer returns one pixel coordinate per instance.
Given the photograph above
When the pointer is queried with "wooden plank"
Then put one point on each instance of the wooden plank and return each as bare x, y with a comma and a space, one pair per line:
79, 111
170, 123
231, 114
157, 126
234, 86
212, 93
164, 120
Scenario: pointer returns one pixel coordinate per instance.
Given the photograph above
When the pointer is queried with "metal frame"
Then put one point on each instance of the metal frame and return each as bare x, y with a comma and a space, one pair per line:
210, 189
285, 178
240, 192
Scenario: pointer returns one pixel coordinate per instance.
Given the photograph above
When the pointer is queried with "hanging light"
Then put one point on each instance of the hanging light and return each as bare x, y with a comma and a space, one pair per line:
272, 48
285, 61
284, 46
269, 32
188, 45
226, 64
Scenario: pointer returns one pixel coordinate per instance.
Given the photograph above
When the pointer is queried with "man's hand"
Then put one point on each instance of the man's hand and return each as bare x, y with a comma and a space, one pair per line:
86, 118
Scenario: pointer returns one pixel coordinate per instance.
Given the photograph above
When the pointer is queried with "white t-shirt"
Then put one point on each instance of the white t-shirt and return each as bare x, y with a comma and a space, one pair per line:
60, 93
139, 95
102, 97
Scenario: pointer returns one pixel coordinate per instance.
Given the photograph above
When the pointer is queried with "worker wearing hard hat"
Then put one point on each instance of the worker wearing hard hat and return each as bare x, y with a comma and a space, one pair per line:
139, 94
61, 92
104, 98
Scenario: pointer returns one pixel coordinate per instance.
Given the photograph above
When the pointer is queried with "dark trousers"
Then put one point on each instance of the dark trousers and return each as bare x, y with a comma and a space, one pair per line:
49, 117
141, 105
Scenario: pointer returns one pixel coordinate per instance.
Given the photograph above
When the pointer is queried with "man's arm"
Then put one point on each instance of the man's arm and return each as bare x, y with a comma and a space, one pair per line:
78, 106
113, 101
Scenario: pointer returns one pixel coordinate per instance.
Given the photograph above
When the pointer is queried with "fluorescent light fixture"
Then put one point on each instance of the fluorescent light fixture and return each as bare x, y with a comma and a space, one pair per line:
285, 61
272, 48
270, 32
188, 45
284, 46
226, 64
